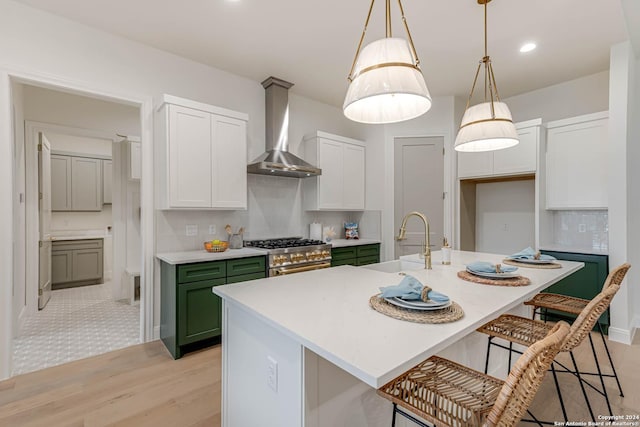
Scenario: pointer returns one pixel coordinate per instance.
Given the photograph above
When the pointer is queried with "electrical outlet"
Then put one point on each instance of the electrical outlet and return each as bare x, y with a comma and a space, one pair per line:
272, 373
191, 230
582, 228
505, 227
212, 229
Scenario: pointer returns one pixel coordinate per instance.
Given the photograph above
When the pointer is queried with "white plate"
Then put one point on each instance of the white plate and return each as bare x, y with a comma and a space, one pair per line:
404, 304
533, 261
510, 275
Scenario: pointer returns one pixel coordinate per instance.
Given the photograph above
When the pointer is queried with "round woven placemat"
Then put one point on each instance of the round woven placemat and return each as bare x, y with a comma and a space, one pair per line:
449, 314
516, 281
527, 265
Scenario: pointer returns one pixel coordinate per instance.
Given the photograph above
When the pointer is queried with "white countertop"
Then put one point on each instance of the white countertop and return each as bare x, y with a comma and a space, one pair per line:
340, 243
327, 311
187, 257
57, 235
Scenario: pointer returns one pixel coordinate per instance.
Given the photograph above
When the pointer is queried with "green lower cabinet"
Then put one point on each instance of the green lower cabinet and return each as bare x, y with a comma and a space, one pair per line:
356, 255
190, 313
585, 283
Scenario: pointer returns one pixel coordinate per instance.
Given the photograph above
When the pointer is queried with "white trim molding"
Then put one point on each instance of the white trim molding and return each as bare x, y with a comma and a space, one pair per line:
10, 75
624, 336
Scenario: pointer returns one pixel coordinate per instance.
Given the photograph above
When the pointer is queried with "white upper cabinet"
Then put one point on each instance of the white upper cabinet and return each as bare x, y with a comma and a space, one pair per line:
204, 157
342, 183
518, 160
576, 162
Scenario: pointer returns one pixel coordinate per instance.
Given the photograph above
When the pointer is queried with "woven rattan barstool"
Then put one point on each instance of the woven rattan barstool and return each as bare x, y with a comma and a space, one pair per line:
449, 394
520, 330
566, 304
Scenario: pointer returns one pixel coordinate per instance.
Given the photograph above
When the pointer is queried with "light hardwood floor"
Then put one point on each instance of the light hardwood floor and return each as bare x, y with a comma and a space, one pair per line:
143, 386
137, 386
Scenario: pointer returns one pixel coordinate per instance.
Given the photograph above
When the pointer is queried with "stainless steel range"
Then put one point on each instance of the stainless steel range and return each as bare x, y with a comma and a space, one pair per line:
293, 254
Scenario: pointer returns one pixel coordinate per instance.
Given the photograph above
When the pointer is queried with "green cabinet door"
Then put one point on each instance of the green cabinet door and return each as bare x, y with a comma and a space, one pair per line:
585, 283
199, 311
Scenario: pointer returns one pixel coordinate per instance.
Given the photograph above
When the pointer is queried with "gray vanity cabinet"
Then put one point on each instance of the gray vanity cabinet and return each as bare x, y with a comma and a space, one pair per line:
76, 262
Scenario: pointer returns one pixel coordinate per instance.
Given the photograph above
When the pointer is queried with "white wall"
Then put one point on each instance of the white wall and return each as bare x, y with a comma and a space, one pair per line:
19, 212
505, 216
634, 194
622, 160
584, 95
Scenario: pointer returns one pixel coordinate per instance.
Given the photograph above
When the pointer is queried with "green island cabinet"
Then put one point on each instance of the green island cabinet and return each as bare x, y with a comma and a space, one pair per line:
190, 313
355, 255
585, 283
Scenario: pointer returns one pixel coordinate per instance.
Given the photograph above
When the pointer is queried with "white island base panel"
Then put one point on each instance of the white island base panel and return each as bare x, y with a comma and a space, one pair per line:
305, 389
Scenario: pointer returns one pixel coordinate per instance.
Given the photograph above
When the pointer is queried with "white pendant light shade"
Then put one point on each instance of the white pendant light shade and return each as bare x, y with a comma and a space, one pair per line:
388, 87
481, 131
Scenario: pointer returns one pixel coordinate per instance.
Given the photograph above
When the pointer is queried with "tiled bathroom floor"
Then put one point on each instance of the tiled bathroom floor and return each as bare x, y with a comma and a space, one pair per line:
76, 323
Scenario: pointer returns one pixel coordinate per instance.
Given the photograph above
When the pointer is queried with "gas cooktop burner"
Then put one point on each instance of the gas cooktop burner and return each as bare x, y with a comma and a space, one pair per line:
282, 243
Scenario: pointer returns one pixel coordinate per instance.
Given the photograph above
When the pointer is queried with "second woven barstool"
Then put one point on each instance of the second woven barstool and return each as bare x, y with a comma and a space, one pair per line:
572, 305
524, 331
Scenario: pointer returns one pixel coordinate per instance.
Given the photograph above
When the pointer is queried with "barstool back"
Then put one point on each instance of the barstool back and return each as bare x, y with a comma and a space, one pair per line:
587, 319
525, 378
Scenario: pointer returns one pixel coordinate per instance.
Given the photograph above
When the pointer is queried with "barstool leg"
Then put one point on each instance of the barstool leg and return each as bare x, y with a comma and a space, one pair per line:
604, 388
613, 368
555, 379
486, 361
510, 353
584, 392
393, 418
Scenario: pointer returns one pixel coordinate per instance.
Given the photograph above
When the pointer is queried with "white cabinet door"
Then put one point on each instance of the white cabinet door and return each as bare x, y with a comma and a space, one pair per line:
330, 183
520, 158
576, 164
86, 184
107, 178
60, 183
229, 163
354, 176
473, 165
189, 158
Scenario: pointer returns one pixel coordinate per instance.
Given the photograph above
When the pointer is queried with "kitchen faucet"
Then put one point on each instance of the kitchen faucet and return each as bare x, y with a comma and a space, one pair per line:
427, 247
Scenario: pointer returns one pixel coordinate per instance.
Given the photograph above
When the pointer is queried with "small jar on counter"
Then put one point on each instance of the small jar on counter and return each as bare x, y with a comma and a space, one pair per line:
446, 252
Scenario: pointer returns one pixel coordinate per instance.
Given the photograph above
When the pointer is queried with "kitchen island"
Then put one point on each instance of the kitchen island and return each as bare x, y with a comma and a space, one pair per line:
307, 350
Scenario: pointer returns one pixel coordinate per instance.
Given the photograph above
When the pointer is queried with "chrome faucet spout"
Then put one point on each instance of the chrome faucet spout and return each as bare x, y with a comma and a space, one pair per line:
427, 246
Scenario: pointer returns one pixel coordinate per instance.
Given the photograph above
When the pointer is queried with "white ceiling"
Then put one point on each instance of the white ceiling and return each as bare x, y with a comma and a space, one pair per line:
312, 44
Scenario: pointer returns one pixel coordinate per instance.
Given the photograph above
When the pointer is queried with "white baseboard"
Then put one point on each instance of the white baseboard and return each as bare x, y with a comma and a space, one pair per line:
156, 332
624, 336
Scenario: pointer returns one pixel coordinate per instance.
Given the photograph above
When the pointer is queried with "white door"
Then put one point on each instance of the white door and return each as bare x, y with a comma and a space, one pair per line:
228, 163
354, 177
331, 162
44, 188
419, 186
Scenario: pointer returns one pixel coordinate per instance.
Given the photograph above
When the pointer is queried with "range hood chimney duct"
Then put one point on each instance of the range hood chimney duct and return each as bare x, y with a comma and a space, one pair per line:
277, 160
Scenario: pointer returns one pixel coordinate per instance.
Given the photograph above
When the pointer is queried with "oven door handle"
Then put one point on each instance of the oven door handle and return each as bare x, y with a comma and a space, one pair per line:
284, 272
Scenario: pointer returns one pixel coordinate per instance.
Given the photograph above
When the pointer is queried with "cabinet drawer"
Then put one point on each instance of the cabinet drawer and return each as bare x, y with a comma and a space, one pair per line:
343, 253
368, 250
201, 271
242, 266
373, 259
68, 245
245, 277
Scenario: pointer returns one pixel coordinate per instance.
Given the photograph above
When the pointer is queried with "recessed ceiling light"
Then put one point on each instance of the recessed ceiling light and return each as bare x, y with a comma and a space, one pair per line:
527, 47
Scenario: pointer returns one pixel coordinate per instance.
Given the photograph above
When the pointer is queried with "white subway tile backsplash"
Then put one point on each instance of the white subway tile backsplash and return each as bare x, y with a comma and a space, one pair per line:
581, 229
274, 210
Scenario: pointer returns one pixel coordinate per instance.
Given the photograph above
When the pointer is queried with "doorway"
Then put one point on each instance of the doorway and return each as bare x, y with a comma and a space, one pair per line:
419, 186
91, 207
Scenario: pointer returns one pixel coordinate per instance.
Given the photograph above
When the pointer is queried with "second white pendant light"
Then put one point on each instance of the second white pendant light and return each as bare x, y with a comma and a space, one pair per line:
486, 126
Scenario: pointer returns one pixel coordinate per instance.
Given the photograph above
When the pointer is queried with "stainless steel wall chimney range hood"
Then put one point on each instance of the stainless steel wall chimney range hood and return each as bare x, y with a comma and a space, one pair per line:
277, 160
